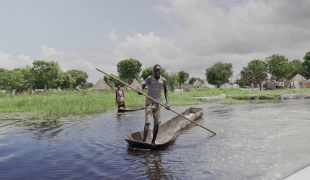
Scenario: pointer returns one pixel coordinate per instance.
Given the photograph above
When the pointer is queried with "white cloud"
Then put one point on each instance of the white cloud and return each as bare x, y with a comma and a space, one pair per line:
4, 57
26, 58
66, 60
238, 33
217, 30
47, 52
8, 61
113, 35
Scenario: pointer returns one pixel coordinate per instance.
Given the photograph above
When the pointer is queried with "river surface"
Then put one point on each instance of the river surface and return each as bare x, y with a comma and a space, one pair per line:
254, 141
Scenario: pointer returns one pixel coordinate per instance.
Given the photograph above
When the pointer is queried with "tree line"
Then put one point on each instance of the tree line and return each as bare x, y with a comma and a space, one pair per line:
130, 69
278, 66
43, 75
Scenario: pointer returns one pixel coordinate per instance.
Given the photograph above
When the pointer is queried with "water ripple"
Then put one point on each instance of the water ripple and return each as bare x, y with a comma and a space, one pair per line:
256, 141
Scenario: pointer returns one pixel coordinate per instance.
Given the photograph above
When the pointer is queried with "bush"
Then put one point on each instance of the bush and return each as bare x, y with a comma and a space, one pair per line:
187, 88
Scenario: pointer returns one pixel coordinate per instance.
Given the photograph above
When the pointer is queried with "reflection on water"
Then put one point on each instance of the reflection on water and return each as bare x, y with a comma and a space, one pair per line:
151, 160
256, 141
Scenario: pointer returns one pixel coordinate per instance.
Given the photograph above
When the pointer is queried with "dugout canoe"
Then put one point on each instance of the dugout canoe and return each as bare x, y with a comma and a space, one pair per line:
133, 109
167, 132
222, 96
300, 173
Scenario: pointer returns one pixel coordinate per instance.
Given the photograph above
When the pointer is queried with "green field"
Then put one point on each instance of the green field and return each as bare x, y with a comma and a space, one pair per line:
69, 102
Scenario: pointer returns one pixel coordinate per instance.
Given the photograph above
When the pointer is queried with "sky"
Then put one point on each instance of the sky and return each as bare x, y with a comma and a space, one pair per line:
189, 35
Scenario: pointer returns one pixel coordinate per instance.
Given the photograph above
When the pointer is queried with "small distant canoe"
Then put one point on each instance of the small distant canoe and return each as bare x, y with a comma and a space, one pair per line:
222, 96
133, 109
167, 131
301, 173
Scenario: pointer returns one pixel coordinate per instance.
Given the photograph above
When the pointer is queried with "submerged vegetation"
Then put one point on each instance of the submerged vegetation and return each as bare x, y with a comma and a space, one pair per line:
68, 102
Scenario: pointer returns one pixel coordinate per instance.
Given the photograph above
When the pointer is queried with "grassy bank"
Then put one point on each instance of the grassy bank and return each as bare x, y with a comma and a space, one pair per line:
67, 102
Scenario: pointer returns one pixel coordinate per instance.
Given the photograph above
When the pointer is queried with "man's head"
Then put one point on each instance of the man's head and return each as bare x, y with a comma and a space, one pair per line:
118, 87
157, 70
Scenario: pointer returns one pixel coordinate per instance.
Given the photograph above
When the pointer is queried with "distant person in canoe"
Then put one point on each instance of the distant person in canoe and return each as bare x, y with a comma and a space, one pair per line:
155, 84
120, 97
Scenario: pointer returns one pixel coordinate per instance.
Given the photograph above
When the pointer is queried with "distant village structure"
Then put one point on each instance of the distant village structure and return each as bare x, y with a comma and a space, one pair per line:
268, 83
196, 84
298, 80
135, 84
101, 85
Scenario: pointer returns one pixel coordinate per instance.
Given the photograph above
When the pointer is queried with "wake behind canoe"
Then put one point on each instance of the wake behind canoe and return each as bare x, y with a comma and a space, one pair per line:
167, 132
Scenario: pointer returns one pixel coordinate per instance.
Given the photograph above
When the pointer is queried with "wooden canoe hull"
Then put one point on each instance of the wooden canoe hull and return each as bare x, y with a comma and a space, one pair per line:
167, 132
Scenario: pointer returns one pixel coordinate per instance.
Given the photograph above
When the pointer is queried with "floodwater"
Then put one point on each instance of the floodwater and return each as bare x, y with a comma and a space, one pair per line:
256, 141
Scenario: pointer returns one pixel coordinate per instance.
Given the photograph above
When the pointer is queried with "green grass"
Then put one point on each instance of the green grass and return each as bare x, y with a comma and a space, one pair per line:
75, 102
65, 101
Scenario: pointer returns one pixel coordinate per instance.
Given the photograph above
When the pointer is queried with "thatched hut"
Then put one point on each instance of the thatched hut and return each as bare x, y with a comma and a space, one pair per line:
297, 80
270, 85
305, 84
101, 85
135, 84
58, 89
266, 80
206, 83
287, 85
196, 84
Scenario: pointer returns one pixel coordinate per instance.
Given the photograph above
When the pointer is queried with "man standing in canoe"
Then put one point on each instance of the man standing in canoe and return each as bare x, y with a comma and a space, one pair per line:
120, 97
155, 84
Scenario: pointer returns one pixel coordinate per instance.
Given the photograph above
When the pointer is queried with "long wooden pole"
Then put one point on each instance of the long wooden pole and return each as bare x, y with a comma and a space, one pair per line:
155, 100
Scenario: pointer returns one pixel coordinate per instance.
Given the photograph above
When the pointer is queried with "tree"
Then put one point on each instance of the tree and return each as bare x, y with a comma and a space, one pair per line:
172, 80
255, 69
87, 85
52, 72
67, 81
4, 77
128, 69
28, 74
192, 80
79, 77
39, 71
306, 63
219, 73
183, 77
107, 80
277, 66
294, 67
164, 74
13, 79
147, 72
257, 66
246, 74
201, 80
112, 82
45, 72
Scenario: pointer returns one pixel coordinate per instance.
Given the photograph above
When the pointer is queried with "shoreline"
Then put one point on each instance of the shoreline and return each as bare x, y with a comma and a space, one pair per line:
80, 102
